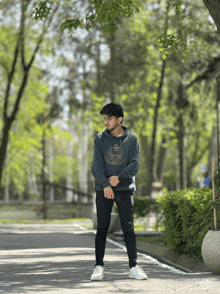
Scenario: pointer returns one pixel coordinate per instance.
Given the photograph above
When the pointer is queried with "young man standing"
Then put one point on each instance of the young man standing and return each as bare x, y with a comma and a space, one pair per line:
115, 163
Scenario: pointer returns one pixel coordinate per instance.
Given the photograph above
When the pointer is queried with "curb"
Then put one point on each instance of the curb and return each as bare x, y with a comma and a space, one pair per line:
154, 257
168, 256
182, 262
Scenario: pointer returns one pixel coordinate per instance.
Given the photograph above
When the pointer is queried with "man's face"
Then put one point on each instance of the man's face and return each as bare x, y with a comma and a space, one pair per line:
111, 122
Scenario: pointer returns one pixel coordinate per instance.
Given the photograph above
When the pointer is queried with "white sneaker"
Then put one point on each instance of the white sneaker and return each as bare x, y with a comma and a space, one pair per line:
137, 273
98, 273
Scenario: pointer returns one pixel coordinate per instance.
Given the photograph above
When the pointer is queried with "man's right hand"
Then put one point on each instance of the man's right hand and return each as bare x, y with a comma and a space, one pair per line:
108, 193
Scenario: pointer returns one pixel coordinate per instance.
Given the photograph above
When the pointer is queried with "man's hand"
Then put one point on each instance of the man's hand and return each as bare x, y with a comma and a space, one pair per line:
114, 180
108, 193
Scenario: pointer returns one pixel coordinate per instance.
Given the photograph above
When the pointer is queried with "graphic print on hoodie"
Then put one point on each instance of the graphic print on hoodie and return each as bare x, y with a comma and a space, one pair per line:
115, 156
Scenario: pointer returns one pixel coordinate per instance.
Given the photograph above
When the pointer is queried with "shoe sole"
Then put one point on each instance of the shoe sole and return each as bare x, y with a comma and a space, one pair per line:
97, 279
132, 277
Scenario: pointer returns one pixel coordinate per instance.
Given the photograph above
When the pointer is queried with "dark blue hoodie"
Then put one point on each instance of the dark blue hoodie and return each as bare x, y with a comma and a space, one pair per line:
115, 156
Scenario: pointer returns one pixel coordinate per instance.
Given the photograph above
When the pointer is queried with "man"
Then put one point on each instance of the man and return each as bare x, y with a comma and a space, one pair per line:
205, 172
115, 163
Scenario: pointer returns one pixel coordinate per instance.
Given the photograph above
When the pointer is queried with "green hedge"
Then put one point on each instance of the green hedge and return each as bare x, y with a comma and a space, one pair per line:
143, 206
188, 217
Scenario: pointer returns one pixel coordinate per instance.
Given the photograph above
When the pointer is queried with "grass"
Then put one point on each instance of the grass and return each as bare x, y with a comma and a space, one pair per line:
27, 221
158, 240
139, 227
88, 227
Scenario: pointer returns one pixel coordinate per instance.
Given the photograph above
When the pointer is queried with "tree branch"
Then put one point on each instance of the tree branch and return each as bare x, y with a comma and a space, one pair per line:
45, 26
213, 7
21, 33
10, 77
28, 66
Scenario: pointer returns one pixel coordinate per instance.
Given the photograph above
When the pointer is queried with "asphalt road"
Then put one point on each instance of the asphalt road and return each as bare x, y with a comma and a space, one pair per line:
59, 258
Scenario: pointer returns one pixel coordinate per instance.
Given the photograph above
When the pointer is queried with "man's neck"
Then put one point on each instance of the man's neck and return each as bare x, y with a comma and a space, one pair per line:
117, 132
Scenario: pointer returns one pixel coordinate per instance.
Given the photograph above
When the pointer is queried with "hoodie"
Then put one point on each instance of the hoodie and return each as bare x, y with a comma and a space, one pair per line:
115, 156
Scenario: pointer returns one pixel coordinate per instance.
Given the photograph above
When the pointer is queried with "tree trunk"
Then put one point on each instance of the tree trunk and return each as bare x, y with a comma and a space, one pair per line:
217, 109
212, 148
112, 68
213, 7
43, 176
69, 177
51, 163
32, 185
181, 145
180, 152
145, 150
83, 161
151, 157
7, 192
161, 159
3, 147
98, 68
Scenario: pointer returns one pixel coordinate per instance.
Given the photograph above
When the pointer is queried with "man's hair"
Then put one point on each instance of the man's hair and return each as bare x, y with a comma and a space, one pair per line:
113, 109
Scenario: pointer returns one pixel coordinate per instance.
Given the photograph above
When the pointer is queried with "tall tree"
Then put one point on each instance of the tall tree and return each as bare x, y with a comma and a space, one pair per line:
19, 70
24, 144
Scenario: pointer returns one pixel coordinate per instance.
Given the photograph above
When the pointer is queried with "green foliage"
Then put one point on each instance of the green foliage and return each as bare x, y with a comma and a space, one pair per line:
26, 135
136, 66
107, 13
71, 23
167, 44
216, 180
143, 206
188, 217
216, 202
41, 11
61, 158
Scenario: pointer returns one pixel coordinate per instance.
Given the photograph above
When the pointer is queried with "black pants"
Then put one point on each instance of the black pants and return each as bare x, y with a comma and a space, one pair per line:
124, 201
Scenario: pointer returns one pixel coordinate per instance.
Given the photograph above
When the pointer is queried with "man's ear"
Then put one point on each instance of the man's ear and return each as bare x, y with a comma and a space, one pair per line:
120, 119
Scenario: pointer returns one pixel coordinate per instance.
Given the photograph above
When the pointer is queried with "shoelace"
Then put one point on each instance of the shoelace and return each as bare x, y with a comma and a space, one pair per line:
140, 270
98, 270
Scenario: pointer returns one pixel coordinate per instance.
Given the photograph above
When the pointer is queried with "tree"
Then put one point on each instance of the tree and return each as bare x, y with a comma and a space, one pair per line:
25, 142
108, 13
18, 70
142, 79
213, 7
46, 119
157, 116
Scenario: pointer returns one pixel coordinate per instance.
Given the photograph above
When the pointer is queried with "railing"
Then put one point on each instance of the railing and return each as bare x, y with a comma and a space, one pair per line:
81, 196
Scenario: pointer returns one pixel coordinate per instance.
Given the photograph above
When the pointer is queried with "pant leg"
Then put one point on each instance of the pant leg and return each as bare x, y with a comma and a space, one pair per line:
124, 201
104, 209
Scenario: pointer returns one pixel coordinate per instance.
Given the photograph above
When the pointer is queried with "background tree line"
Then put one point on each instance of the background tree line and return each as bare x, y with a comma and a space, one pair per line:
55, 81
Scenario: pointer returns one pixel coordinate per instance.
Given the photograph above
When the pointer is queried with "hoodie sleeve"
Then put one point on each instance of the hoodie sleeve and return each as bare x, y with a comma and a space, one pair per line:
98, 165
132, 168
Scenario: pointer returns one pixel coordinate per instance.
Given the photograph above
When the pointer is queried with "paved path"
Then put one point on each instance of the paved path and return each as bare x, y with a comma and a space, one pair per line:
59, 258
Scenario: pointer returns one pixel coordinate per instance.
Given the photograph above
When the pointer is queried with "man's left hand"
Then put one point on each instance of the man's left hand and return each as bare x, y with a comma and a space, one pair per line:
114, 180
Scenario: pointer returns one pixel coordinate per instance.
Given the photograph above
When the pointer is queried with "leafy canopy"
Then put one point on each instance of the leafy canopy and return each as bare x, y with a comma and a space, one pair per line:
106, 13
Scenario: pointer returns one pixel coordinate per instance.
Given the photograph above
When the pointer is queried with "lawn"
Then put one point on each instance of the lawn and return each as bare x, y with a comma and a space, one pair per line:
11, 220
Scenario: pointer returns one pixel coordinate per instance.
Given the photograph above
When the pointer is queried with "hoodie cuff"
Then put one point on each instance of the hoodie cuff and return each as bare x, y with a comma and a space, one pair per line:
105, 184
120, 175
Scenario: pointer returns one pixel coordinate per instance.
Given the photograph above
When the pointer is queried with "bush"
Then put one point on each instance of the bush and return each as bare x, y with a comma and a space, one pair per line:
143, 206
188, 217
216, 203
